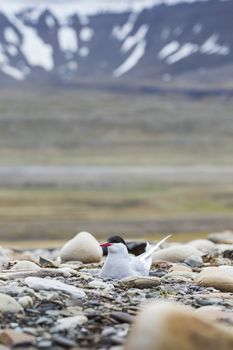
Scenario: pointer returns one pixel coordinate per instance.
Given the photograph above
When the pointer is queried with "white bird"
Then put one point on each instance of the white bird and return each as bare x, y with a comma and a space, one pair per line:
119, 264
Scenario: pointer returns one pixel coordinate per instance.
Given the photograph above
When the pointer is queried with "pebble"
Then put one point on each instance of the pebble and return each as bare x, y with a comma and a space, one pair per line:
100, 284
194, 261
64, 341
107, 309
26, 301
45, 344
176, 253
9, 304
12, 338
69, 322
164, 325
178, 277
25, 265
216, 277
139, 282
205, 246
83, 247
53, 284
225, 237
122, 317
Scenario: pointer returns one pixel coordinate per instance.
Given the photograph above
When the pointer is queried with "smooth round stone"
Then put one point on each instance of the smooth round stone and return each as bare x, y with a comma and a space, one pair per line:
26, 301
25, 265
225, 237
194, 261
220, 278
83, 247
205, 246
9, 304
178, 277
99, 284
222, 247
163, 325
176, 253
69, 322
139, 282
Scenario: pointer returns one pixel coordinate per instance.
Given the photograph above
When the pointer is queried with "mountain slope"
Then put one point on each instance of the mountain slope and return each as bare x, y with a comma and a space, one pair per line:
142, 40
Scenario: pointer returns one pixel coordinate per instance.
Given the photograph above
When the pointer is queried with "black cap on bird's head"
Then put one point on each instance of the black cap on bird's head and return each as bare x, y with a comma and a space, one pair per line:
116, 239
111, 240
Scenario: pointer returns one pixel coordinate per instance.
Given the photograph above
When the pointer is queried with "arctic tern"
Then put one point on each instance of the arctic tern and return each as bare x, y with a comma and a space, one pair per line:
119, 264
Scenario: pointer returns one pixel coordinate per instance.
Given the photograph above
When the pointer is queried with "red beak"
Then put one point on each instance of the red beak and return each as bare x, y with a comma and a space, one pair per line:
105, 244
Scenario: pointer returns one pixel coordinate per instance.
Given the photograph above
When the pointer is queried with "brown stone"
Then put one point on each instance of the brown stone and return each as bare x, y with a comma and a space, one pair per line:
10, 337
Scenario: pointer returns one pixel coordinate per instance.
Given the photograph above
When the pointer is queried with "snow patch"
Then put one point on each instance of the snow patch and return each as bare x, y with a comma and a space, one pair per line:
133, 40
211, 46
11, 36
86, 34
67, 38
12, 50
185, 51
83, 7
50, 21
132, 60
168, 49
120, 33
136, 41
12, 71
36, 51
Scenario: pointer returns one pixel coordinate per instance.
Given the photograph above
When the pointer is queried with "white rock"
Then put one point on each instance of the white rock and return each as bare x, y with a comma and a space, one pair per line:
25, 265
53, 284
100, 284
83, 247
167, 326
69, 322
205, 246
9, 304
225, 237
176, 253
222, 247
26, 301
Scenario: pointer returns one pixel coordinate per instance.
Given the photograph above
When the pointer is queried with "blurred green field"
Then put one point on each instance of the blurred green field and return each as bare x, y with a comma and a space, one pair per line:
96, 128
83, 127
137, 212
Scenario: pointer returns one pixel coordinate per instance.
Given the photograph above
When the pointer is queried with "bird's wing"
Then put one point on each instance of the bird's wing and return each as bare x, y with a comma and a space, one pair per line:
150, 250
139, 267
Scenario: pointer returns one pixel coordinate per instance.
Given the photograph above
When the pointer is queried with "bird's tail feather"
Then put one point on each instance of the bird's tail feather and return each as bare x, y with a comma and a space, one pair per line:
150, 250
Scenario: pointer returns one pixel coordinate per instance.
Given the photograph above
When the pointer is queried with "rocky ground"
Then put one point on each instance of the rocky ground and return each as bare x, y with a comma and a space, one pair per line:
46, 303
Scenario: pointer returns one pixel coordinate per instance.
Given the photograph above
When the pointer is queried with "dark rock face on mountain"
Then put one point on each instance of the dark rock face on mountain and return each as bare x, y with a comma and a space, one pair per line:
142, 41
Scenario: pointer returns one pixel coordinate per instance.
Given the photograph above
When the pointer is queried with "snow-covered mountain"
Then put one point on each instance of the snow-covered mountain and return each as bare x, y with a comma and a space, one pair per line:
52, 41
